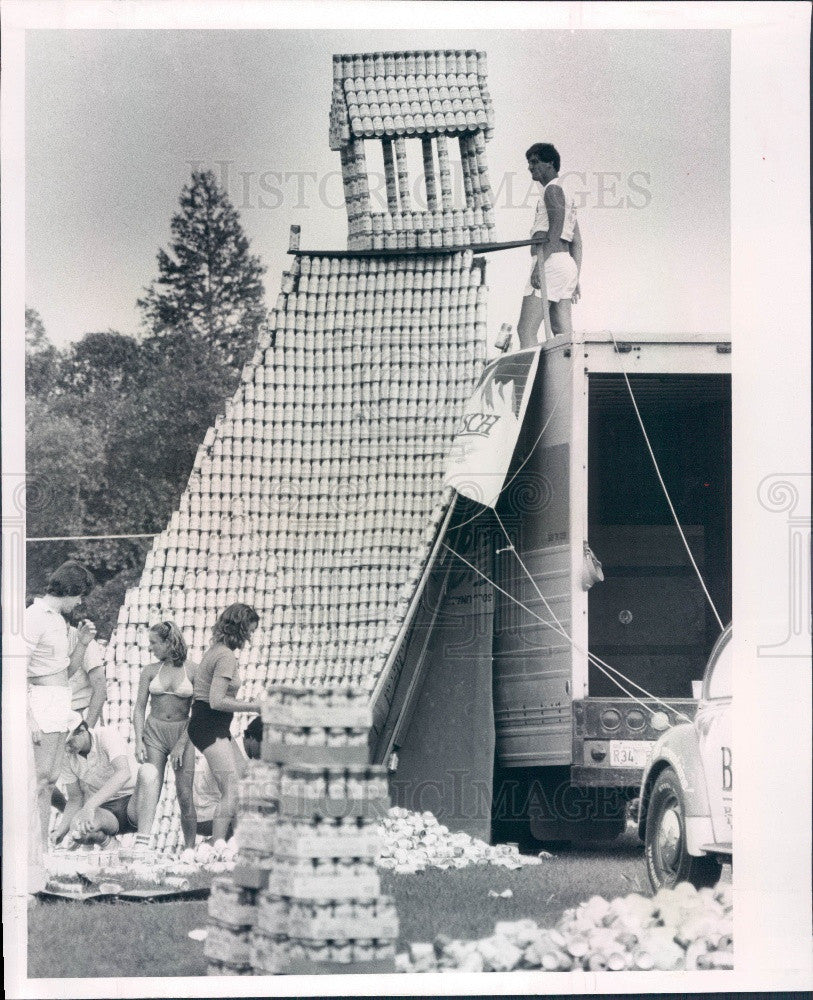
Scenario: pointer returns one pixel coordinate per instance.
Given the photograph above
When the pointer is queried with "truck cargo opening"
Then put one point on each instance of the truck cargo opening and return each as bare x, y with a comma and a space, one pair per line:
650, 618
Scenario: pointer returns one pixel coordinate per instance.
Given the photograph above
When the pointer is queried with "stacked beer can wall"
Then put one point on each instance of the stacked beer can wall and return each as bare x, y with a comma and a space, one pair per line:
316, 495
393, 98
305, 895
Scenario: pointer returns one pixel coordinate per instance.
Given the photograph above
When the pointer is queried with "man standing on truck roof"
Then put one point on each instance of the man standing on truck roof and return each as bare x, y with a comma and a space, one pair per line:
554, 281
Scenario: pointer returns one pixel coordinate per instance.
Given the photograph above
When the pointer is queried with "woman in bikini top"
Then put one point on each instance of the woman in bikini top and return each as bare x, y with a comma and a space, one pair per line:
182, 690
162, 735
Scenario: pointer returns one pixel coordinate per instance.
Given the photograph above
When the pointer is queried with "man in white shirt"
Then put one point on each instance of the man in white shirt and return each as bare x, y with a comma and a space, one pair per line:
554, 281
108, 793
88, 685
49, 666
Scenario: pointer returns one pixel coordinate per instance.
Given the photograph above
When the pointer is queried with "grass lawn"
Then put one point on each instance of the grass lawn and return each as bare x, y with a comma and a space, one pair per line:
150, 939
115, 939
457, 902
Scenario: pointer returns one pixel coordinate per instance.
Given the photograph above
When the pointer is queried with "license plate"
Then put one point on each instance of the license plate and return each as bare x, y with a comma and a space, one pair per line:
629, 753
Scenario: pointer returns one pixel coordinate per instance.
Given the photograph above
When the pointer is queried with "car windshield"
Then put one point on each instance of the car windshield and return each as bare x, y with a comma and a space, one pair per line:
719, 682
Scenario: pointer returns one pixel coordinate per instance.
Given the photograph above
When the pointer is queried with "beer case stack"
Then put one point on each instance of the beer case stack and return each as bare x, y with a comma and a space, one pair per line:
305, 896
316, 495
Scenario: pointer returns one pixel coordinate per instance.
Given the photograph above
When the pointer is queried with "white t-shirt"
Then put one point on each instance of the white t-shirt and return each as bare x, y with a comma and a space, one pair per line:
81, 688
541, 222
93, 771
46, 636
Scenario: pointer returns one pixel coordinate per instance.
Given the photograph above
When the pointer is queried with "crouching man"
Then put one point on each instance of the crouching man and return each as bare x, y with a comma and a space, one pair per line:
107, 791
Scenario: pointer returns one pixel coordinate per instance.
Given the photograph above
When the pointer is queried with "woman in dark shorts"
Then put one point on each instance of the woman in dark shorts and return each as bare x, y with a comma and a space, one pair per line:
217, 681
162, 736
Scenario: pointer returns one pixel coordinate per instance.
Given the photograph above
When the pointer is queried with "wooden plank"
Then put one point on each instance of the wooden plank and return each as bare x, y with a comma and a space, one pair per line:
392, 691
417, 251
131, 895
303, 967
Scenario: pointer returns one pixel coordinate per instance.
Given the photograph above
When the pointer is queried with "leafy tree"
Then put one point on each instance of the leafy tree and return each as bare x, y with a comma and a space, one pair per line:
35, 337
103, 603
140, 409
107, 364
209, 286
64, 463
149, 404
114, 422
41, 357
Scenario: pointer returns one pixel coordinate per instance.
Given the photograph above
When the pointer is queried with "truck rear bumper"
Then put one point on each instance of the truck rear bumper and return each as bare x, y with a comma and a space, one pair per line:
606, 777
612, 737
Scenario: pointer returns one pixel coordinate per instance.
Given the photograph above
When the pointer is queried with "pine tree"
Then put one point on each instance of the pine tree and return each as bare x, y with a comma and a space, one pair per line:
209, 285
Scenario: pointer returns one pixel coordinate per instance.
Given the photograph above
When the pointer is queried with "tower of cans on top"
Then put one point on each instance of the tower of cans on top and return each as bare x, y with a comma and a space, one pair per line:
316, 494
426, 97
305, 895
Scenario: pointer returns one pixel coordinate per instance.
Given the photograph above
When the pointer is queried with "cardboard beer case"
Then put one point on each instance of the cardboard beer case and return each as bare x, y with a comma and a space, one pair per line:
317, 756
227, 944
231, 904
365, 885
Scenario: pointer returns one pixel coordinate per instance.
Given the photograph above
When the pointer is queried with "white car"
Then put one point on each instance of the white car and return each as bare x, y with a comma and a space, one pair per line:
685, 814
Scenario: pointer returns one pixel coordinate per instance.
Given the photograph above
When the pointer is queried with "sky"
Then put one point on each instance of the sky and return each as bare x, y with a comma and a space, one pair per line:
116, 121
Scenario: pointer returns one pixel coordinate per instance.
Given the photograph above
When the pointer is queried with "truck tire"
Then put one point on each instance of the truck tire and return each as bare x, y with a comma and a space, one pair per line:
509, 819
667, 858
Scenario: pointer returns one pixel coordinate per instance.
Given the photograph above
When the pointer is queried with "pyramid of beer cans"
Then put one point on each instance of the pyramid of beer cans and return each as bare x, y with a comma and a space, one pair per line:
304, 896
317, 494
431, 97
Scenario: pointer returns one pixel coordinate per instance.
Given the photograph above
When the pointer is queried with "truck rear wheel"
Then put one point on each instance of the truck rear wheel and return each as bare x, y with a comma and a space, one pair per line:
667, 858
509, 816
559, 811
540, 805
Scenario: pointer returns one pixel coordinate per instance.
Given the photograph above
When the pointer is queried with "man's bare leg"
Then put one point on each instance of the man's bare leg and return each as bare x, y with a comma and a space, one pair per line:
561, 317
48, 756
530, 319
144, 800
104, 826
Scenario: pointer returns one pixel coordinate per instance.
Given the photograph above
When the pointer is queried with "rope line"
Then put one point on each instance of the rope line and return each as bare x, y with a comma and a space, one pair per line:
538, 439
560, 630
592, 658
87, 538
600, 664
496, 586
665, 490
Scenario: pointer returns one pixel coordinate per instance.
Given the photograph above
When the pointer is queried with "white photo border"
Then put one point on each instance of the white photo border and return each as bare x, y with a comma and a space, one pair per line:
771, 427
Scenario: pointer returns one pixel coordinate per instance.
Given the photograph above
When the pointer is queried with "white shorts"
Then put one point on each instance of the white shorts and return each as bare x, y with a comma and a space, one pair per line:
561, 277
50, 706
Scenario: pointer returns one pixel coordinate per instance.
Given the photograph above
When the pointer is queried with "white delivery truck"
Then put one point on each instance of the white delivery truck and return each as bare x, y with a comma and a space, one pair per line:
600, 622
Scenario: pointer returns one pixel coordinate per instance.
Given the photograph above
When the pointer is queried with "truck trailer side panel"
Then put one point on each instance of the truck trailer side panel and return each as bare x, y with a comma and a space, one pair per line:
588, 479
532, 658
